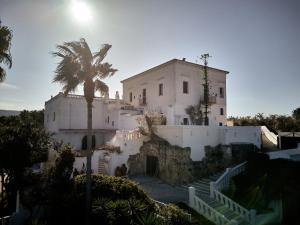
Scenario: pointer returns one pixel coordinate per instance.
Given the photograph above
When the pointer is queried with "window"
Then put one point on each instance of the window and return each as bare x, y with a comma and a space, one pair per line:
130, 96
84, 142
185, 121
47, 117
221, 111
53, 116
144, 96
221, 92
220, 124
160, 89
107, 119
113, 123
185, 87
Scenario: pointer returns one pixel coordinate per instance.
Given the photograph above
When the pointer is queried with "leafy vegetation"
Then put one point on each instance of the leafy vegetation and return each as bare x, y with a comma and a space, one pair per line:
199, 219
195, 113
276, 123
5, 44
22, 144
267, 180
216, 160
115, 200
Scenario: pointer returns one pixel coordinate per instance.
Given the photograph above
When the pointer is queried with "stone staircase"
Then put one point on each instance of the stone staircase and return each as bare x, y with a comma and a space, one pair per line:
101, 166
202, 190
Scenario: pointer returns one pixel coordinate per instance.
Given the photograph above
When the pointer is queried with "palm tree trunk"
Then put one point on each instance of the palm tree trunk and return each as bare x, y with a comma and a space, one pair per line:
89, 163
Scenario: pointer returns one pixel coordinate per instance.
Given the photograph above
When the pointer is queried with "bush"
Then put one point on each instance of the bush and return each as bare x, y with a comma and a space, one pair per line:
121, 201
114, 187
174, 215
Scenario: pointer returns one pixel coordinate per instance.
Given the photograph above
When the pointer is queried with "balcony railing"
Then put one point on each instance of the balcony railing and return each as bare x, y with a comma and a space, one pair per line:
211, 100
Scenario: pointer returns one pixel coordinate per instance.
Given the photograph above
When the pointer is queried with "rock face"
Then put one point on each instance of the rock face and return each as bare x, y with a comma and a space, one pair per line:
170, 163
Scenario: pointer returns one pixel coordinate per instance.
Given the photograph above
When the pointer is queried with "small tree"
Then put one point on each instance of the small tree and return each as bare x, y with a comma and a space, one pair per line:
195, 114
296, 114
21, 146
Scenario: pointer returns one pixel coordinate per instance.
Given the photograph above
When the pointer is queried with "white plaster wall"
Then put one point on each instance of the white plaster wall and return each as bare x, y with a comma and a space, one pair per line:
71, 113
174, 102
151, 80
195, 137
111, 114
51, 107
75, 138
130, 142
241, 134
194, 75
128, 122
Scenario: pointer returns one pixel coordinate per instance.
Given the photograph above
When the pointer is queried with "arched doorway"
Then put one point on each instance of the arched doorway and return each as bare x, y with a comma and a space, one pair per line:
152, 166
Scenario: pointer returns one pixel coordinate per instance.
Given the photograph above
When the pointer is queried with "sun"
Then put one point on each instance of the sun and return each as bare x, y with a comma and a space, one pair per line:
81, 11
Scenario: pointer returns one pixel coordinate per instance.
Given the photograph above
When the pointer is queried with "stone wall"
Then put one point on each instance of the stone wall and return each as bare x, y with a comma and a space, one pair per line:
174, 163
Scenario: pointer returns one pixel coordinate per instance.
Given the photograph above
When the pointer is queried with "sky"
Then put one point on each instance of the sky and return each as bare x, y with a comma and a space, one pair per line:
257, 41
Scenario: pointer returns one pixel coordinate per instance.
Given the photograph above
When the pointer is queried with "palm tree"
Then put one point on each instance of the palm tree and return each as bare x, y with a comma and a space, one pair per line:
79, 65
5, 43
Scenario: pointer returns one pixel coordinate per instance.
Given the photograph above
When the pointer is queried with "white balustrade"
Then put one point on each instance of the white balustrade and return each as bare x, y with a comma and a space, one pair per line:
224, 180
129, 135
222, 183
210, 213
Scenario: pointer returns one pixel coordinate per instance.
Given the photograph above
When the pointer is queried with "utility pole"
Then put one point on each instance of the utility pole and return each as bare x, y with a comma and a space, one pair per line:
204, 57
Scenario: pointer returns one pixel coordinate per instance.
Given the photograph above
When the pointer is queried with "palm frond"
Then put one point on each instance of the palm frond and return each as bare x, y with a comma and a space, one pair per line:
68, 73
6, 58
86, 50
64, 51
71, 85
2, 74
101, 87
5, 38
99, 56
82, 53
104, 70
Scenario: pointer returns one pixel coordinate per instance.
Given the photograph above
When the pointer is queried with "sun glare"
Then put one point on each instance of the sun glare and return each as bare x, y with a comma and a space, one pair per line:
81, 11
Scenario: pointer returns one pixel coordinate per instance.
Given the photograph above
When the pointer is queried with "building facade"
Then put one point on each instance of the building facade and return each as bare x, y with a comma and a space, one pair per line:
166, 90
175, 85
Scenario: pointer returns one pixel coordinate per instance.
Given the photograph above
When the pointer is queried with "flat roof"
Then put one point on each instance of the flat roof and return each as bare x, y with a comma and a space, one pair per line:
171, 62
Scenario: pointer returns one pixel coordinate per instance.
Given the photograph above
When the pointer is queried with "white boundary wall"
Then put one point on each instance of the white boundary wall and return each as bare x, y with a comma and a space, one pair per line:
197, 137
285, 154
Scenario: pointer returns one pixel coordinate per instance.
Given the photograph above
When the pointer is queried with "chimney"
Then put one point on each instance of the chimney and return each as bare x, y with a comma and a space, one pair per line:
183, 59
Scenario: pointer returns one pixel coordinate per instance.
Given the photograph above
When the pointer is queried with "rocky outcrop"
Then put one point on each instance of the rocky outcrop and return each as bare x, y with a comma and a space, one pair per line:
174, 164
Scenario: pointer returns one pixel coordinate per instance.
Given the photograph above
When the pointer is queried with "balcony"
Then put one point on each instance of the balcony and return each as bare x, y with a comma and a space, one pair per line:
211, 100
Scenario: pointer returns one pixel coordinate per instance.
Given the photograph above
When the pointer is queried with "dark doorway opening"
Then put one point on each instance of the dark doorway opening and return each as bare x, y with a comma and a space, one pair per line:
152, 166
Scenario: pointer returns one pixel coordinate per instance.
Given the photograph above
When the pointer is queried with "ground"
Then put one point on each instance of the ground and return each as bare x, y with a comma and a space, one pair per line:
161, 191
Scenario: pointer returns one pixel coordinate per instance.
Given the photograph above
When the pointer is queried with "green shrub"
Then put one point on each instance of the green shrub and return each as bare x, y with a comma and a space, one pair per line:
150, 219
174, 215
114, 187
118, 211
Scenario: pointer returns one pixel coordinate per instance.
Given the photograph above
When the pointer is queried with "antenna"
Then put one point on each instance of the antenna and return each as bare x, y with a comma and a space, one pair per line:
204, 58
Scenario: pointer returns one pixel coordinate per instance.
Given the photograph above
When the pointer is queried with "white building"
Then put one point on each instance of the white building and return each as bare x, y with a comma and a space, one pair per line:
167, 89
66, 118
171, 87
